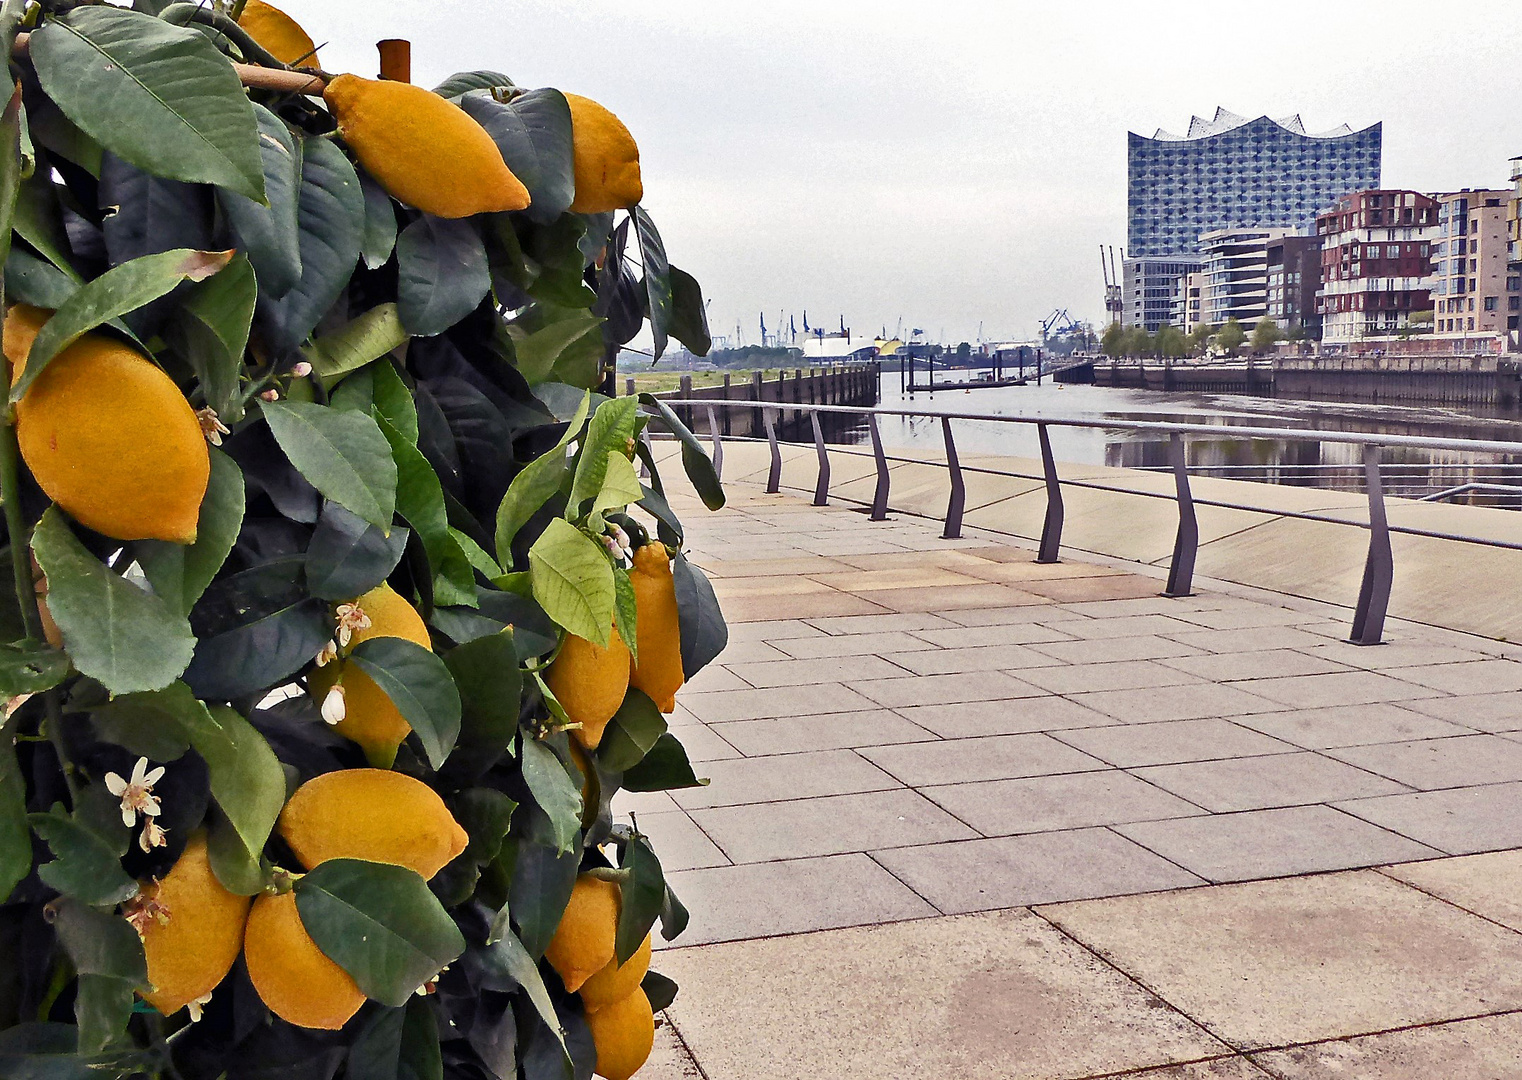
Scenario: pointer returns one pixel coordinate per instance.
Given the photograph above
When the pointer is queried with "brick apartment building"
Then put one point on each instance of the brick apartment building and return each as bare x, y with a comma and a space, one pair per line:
1376, 262
1475, 298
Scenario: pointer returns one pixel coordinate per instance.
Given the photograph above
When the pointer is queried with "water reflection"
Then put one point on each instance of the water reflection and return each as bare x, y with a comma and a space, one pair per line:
1304, 462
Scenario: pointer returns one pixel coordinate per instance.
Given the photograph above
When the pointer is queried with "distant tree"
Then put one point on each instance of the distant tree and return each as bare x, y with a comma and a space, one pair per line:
1265, 334
1137, 342
1297, 331
1113, 340
1199, 337
1230, 336
1169, 341
964, 353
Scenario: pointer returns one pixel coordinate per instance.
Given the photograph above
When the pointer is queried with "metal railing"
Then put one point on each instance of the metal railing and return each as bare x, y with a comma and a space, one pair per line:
1374, 592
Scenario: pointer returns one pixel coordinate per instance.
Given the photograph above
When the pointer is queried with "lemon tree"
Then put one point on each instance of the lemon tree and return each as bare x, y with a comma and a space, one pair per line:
345, 596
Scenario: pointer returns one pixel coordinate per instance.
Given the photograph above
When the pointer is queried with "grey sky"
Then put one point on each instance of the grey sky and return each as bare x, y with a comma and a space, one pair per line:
957, 161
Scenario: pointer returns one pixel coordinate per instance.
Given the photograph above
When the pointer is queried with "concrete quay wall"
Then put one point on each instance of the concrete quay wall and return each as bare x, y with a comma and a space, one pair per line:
1461, 586
854, 384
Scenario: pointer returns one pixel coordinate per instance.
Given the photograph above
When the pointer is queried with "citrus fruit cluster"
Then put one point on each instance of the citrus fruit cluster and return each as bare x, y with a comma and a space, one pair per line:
340, 612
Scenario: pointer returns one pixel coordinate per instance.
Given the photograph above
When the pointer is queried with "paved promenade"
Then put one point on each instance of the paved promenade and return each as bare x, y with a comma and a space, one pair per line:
977, 817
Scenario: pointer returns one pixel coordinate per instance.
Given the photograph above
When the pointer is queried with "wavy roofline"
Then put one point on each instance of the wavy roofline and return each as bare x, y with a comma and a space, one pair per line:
1225, 120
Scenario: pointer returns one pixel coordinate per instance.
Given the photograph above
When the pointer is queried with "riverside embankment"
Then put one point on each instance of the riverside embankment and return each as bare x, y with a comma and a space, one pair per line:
844, 384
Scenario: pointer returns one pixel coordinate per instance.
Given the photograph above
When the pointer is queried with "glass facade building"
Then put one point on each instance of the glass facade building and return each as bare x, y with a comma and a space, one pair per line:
1232, 173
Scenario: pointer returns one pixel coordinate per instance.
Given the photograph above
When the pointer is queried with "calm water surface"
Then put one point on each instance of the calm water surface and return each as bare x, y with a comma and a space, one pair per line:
1307, 461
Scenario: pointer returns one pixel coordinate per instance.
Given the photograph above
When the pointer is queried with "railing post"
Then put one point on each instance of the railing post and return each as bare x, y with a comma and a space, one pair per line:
1379, 565
880, 496
822, 485
1187, 542
1051, 530
958, 500
774, 477
718, 447
644, 437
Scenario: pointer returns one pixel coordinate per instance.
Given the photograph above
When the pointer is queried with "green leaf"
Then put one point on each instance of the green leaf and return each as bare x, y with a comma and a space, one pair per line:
421, 1057
420, 500
541, 888
644, 894
553, 789
119, 290
673, 916
213, 321
573, 581
533, 486
38, 219
625, 611
664, 768
701, 624
419, 685
30, 667
508, 958
657, 277
269, 233
608, 434
86, 865
237, 868
634, 729
380, 223
464, 81
697, 463
15, 835
660, 990
486, 815
441, 273
376, 1051
342, 454
562, 350
379, 923
347, 556
109, 960
356, 343
59, 135
330, 216
157, 96
533, 132
179, 573
390, 397
30, 280
116, 633
689, 315
490, 683
620, 485
479, 559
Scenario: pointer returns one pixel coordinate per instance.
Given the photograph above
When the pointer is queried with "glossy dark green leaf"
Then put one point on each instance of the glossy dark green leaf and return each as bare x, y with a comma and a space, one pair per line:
420, 1054
485, 814
634, 729
490, 683
379, 923
30, 667
626, 611
380, 223
119, 290
38, 219
257, 628
60, 136
673, 916
342, 454
180, 573
330, 218
509, 964
86, 865
664, 768
441, 273
237, 868
541, 888
376, 1051
660, 990
212, 324
694, 459
15, 833
553, 789
158, 96
392, 399
109, 960
704, 633
269, 233
419, 685
533, 486
533, 132
610, 432
30, 280
689, 315
533, 632
657, 277
644, 893
115, 632
573, 581
654, 503
420, 502
465, 81
347, 556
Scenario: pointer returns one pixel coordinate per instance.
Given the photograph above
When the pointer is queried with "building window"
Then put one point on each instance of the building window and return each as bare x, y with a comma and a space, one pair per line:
1471, 324
1492, 303
1514, 303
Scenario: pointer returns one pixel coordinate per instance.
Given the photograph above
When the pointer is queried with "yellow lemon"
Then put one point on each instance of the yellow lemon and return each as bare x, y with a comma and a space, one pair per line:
371, 814
198, 929
659, 671
109, 437
605, 159
590, 682
292, 975
424, 150
370, 717
583, 942
616, 981
623, 1033
279, 33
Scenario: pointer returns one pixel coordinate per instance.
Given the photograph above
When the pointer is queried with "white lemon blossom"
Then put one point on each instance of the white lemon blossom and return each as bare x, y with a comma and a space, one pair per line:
333, 707
136, 794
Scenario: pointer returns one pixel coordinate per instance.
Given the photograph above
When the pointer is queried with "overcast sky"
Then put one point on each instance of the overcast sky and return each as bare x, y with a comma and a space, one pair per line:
955, 162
